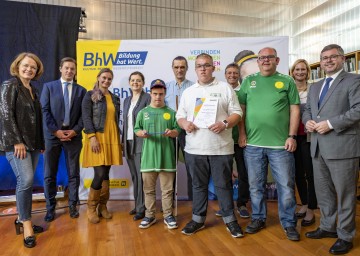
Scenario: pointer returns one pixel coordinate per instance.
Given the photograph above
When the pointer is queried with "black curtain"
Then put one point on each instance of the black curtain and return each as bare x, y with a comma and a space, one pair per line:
49, 31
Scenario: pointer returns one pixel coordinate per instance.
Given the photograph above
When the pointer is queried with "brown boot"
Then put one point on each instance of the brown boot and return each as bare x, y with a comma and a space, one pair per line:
93, 201
104, 197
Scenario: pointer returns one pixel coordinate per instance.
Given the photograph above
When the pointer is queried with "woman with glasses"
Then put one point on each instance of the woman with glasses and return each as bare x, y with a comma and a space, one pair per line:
21, 135
304, 177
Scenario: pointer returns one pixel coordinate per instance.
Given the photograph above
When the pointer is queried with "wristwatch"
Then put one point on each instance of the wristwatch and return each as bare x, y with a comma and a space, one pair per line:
292, 136
226, 124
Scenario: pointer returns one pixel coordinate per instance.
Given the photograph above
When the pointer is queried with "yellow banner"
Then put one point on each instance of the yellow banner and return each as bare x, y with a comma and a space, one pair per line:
92, 56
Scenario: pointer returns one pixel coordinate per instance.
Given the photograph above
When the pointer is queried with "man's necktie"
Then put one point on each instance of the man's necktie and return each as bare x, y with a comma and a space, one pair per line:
67, 104
324, 90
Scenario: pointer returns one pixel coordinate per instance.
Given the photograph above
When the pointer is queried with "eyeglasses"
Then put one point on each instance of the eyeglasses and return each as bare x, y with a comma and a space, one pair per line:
206, 66
26, 66
332, 57
269, 57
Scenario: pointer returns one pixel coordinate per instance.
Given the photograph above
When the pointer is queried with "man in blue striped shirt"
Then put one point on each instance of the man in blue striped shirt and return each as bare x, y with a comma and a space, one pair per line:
174, 90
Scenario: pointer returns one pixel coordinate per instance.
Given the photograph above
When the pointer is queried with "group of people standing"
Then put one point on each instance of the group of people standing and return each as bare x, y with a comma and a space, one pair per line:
307, 135
54, 120
326, 165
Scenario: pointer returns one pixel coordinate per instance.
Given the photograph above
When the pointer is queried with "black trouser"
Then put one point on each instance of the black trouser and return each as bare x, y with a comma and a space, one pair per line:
51, 161
304, 175
181, 145
243, 188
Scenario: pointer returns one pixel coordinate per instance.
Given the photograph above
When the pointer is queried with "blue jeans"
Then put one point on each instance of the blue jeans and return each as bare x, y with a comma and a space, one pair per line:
220, 168
282, 165
24, 170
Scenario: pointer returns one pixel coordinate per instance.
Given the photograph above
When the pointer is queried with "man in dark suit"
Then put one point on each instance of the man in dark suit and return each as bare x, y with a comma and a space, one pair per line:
332, 115
61, 105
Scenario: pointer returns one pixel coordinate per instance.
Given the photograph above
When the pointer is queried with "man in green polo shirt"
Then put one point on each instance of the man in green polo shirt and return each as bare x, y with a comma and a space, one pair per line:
270, 102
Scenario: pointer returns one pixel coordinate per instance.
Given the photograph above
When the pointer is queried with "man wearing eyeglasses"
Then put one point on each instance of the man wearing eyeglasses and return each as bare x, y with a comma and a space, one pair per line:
174, 90
209, 146
332, 115
270, 102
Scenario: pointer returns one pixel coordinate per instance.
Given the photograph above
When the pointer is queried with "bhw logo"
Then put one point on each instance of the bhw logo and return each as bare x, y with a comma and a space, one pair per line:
120, 59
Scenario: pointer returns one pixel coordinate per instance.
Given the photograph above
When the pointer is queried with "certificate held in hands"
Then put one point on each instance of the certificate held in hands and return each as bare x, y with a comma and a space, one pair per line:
205, 112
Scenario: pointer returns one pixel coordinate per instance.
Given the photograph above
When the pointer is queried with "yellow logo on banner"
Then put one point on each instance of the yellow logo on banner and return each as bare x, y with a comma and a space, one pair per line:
279, 85
166, 116
119, 183
87, 74
114, 183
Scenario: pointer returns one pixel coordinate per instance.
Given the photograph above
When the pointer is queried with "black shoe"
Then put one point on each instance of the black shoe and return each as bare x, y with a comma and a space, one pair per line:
139, 216
20, 228
319, 233
306, 223
192, 227
234, 228
132, 212
30, 242
300, 215
73, 211
292, 234
255, 226
50, 216
341, 247
243, 211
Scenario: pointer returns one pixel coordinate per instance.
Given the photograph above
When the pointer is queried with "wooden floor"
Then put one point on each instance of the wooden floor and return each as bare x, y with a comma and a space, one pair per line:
121, 235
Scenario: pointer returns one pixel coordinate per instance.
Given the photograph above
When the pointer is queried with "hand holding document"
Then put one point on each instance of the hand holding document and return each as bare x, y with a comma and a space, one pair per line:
205, 112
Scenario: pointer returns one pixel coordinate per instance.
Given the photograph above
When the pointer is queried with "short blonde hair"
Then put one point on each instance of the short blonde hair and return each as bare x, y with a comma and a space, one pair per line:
14, 67
297, 62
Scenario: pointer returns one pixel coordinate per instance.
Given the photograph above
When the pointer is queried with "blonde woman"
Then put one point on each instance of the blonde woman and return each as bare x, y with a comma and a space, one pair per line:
102, 149
21, 135
304, 176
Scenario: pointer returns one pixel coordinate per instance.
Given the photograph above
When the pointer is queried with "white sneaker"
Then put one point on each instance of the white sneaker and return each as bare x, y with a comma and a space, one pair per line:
147, 222
170, 221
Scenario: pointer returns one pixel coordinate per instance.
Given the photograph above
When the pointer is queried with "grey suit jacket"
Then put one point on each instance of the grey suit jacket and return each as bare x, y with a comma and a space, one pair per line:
341, 106
136, 146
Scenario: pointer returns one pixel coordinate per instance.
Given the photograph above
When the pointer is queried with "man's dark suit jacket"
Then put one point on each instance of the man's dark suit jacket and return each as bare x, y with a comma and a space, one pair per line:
52, 101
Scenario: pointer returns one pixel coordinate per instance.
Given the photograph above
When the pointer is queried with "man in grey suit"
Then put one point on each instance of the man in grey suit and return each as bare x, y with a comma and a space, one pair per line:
61, 105
332, 115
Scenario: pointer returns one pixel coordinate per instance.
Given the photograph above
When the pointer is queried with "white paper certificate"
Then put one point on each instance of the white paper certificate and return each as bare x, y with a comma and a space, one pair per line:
205, 112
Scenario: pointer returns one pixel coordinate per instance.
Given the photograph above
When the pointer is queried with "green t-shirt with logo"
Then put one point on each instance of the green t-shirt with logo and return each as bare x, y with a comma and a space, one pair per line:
158, 152
267, 100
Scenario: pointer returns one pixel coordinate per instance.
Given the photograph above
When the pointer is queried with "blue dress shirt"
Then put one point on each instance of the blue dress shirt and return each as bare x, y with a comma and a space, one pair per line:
173, 90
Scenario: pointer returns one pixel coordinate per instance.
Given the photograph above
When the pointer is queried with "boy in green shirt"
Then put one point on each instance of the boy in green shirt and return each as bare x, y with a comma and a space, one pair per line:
157, 124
